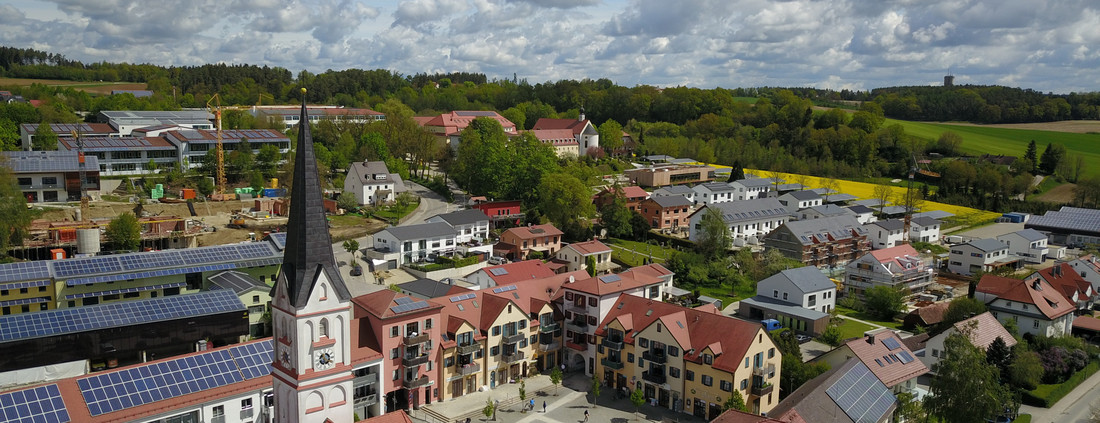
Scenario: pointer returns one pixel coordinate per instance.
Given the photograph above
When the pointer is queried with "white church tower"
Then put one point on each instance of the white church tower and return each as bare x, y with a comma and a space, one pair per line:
311, 308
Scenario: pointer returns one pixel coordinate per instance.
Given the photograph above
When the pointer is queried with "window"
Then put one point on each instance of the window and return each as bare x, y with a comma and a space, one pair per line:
393, 332
746, 362
255, 299
448, 362
496, 331
1035, 324
673, 351
219, 411
568, 296
642, 342
396, 375
708, 381
708, 359
629, 357
591, 301
394, 353
428, 324
674, 372
771, 352
784, 295
50, 180
744, 383
775, 293
689, 375
246, 404
494, 350
725, 385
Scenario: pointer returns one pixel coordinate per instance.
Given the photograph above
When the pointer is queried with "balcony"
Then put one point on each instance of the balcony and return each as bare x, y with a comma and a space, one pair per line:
553, 346
761, 390
654, 376
512, 358
764, 370
468, 349
367, 400
366, 379
576, 346
548, 328
416, 383
469, 369
217, 419
577, 325
613, 343
417, 339
608, 363
514, 338
655, 357
410, 360
247, 413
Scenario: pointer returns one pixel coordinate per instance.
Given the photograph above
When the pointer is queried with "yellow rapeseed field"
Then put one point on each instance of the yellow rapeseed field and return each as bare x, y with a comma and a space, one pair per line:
963, 215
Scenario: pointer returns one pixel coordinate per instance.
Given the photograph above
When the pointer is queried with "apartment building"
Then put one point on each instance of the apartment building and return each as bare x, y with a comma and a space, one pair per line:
686, 360
581, 255
518, 243
50, 176
898, 267
986, 255
826, 242
405, 330
748, 221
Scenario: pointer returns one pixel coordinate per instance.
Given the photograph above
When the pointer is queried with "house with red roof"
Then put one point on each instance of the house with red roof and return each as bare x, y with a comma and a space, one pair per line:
518, 243
882, 351
633, 194
1074, 287
1037, 307
896, 267
584, 132
576, 256
1089, 268
587, 301
562, 140
980, 330
509, 273
449, 126
686, 359
403, 328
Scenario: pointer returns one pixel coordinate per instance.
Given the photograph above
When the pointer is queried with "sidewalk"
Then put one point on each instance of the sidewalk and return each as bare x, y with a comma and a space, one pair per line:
1074, 407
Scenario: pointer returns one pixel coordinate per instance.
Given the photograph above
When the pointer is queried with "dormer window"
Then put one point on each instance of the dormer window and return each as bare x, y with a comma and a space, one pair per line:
380, 177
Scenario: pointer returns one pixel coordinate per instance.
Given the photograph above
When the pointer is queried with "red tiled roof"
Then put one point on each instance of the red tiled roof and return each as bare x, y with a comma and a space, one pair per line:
454, 122
728, 337
574, 125
986, 329
890, 372
891, 255
525, 232
932, 314
398, 416
519, 271
590, 247
1087, 322
735, 416
1068, 281
615, 283
378, 304
556, 137
1034, 291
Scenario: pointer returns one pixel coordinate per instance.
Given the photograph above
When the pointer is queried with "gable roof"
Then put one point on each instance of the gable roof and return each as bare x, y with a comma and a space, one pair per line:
367, 171
931, 314
804, 195
898, 258
983, 329
423, 230
987, 244
237, 281
826, 229
890, 225
614, 283
807, 279
860, 209
815, 402
888, 364
534, 231
673, 190
755, 182
555, 137
574, 125
748, 210
1033, 290
387, 303
428, 288
1030, 234
509, 273
634, 191
925, 221
669, 201
694, 329
716, 186
738, 416
463, 217
830, 210
1069, 282
588, 247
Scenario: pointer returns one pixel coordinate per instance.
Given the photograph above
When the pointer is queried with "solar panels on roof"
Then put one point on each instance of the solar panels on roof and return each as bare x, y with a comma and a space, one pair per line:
905, 357
81, 319
39, 404
610, 278
413, 306
861, 395
498, 271
82, 266
24, 271
462, 297
891, 343
504, 289
403, 300
537, 230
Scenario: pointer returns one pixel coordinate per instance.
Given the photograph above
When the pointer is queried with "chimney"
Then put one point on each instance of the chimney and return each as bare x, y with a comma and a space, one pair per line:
871, 338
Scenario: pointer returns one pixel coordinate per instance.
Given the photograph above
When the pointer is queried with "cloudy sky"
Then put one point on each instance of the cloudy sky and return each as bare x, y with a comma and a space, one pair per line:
1051, 45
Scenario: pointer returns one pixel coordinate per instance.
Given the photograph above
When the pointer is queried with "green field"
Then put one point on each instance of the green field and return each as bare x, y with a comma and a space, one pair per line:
1010, 142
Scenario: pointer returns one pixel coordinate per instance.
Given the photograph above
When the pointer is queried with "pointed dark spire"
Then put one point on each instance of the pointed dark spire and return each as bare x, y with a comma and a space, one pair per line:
308, 244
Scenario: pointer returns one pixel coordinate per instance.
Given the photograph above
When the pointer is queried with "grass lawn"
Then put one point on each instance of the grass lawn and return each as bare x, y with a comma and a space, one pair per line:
658, 252
394, 212
853, 329
866, 317
1006, 141
1023, 418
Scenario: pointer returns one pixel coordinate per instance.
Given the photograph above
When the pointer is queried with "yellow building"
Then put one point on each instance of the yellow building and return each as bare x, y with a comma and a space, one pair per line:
498, 335
687, 360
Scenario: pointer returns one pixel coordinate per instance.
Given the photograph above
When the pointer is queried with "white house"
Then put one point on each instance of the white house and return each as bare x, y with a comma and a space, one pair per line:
1089, 268
798, 200
924, 229
864, 214
470, 224
984, 255
1036, 306
897, 267
575, 256
980, 330
886, 233
372, 183
682, 190
714, 193
824, 210
412, 243
1029, 244
805, 287
752, 188
748, 220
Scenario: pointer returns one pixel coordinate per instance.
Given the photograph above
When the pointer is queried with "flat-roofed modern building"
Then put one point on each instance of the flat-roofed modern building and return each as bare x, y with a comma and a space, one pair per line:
289, 116
125, 121
27, 131
125, 155
194, 144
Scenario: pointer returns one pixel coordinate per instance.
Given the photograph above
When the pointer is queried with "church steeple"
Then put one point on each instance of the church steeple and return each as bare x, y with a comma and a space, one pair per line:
308, 248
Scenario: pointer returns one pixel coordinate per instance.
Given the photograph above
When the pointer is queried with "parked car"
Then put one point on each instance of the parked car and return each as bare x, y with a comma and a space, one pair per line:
802, 339
357, 271
497, 260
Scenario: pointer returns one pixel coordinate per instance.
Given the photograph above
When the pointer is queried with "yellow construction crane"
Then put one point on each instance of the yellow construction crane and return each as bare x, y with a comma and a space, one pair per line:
220, 149
83, 178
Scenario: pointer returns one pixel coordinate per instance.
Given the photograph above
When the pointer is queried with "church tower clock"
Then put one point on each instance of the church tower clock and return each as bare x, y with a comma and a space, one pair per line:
311, 307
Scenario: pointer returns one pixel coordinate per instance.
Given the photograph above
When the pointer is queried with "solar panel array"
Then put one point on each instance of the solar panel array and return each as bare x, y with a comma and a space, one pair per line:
891, 343
462, 297
279, 239
404, 300
409, 306
24, 271
21, 285
151, 273
254, 360
504, 289
125, 313
45, 161
39, 404
84, 266
861, 395
118, 143
610, 278
499, 271
24, 301
905, 357
1072, 218
126, 290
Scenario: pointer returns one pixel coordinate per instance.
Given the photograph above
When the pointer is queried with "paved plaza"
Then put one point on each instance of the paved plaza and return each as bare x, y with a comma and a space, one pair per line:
564, 404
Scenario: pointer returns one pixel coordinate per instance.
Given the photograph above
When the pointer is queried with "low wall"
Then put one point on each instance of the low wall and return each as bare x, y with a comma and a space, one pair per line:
453, 273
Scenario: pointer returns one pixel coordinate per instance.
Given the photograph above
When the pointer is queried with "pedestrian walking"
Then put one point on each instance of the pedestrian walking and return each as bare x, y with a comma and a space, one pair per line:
586, 416
544, 407
532, 404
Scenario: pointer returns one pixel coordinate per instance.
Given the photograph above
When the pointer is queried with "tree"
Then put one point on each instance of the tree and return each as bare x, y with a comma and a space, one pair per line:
611, 135
351, 246
960, 309
831, 185
256, 182
909, 408
590, 265
831, 335
884, 302
999, 354
523, 393
1032, 155
615, 216
967, 388
205, 186
490, 410
1026, 370
639, 226
1052, 157
714, 237
13, 206
45, 139
735, 402
883, 193
347, 201
124, 232
948, 143
267, 160
565, 201
555, 379
595, 389
151, 166
637, 398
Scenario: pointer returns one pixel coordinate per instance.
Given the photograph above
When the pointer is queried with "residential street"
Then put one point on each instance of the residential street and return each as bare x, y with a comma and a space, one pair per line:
1073, 408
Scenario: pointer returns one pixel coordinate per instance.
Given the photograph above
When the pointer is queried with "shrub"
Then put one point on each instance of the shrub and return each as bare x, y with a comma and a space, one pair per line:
1048, 395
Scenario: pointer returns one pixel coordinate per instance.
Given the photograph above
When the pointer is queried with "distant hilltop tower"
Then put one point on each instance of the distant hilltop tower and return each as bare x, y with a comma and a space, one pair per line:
949, 80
